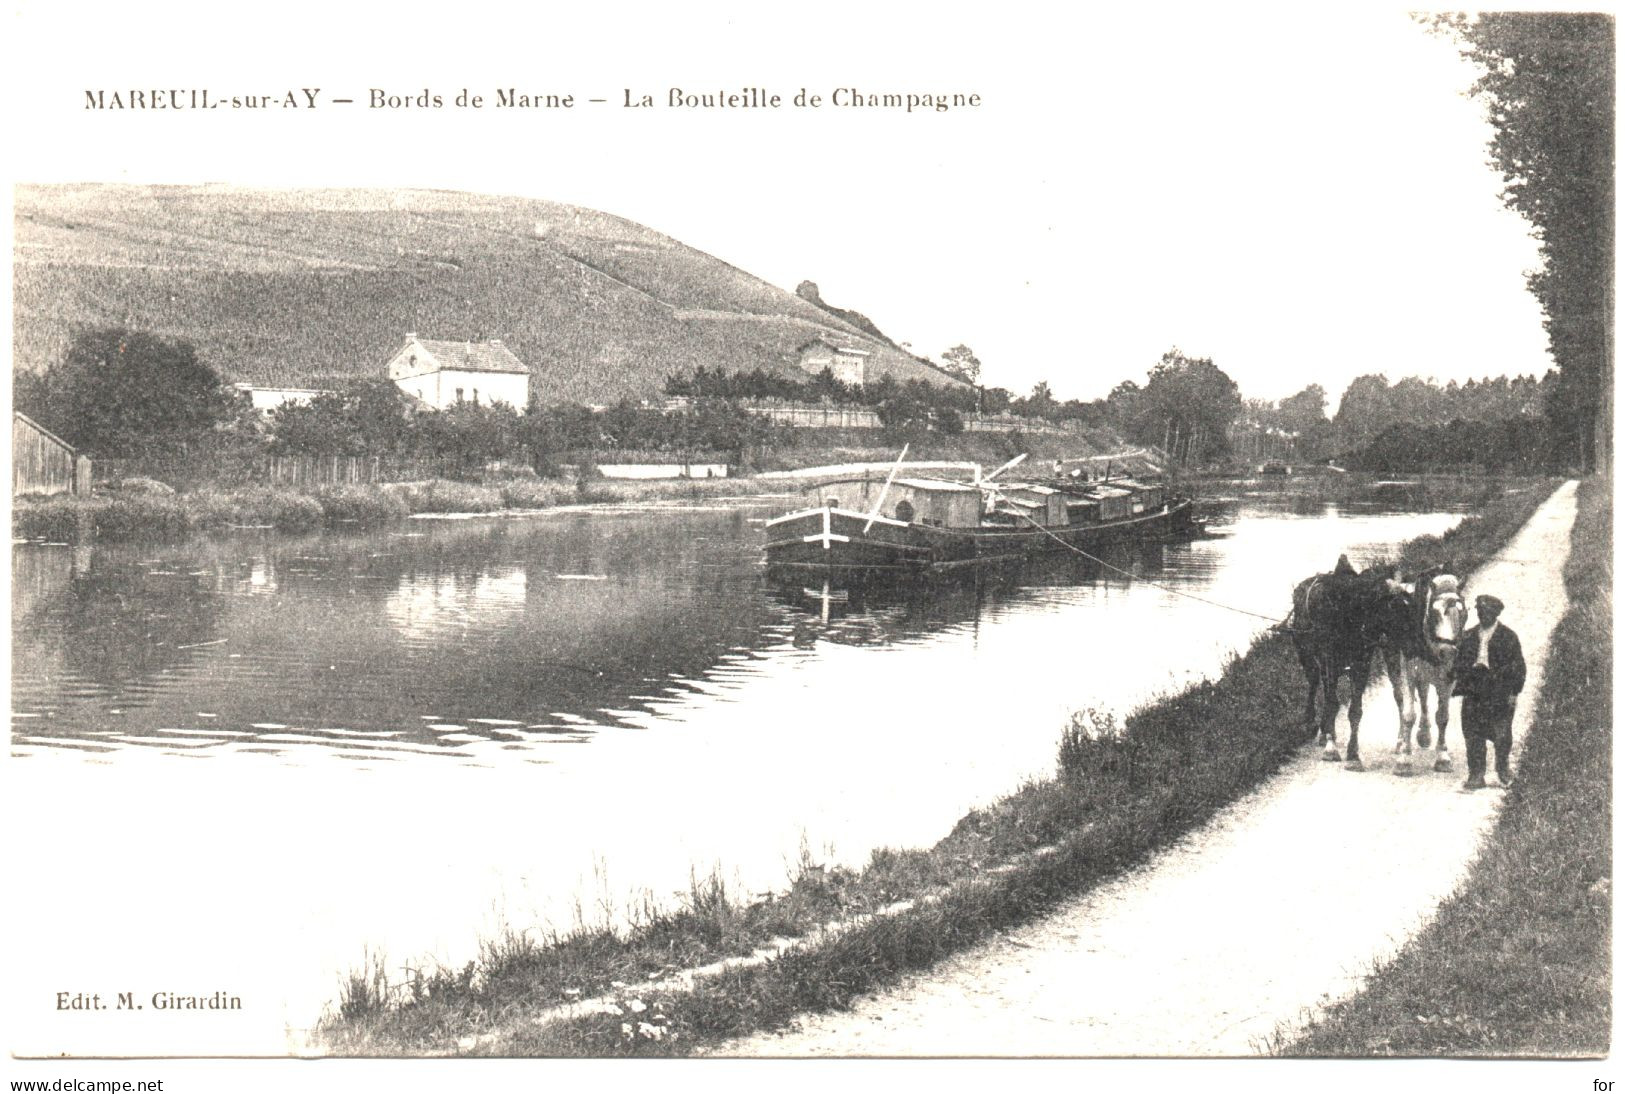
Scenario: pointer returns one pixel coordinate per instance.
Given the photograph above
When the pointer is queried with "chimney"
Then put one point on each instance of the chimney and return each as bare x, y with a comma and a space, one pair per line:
411, 334
496, 341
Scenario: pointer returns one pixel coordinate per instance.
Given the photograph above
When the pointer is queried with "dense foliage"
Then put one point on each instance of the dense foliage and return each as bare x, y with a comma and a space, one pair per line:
122, 393
1187, 406
1516, 444
1548, 83
119, 392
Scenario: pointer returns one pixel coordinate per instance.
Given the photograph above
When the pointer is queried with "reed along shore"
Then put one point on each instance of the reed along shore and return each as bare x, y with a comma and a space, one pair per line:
1119, 793
156, 513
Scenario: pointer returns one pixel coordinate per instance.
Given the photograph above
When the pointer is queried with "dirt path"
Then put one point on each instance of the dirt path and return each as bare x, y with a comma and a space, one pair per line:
1280, 905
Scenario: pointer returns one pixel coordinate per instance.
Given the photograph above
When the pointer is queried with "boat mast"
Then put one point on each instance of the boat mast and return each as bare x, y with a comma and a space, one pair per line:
881, 500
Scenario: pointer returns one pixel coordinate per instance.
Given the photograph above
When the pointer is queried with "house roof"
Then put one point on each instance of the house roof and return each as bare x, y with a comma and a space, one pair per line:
853, 351
490, 356
282, 389
19, 416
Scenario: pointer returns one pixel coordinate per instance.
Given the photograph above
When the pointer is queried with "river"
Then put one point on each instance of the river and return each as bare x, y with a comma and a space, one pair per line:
245, 762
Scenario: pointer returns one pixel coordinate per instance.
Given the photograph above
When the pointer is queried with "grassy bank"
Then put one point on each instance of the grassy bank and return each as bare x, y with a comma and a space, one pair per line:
129, 515
162, 515
820, 447
1118, 793
1517, 962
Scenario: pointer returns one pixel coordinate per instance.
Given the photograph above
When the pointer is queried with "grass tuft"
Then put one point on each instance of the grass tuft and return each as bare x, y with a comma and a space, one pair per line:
446, 496
361, 506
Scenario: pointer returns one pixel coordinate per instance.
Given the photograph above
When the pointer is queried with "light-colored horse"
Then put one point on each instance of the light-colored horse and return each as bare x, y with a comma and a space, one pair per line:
1426, 659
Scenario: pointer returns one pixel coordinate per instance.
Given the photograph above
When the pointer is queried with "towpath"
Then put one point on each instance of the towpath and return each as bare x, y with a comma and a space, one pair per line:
1243, 929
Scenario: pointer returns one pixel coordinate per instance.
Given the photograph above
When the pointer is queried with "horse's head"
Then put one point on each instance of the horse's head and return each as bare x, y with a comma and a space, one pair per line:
1446, 611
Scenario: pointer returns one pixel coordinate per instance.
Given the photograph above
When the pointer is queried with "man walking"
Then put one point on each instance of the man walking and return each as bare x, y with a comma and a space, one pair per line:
1489, 676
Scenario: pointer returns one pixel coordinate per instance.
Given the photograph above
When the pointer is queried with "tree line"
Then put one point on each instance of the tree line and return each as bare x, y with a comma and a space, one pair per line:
123, 393
126, 394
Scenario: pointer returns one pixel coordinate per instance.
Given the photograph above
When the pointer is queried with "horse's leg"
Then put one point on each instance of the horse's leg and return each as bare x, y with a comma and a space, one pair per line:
1446, 683
1420, 679
1359, 677
1403, 684
1311, 671
1328, 707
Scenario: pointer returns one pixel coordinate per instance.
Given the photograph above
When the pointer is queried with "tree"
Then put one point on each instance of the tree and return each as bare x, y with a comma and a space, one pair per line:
365, 418
995, 400
1188, 406
1124, 405
555, 429
905, 416
1039, 404
1364, 412
1304, 415
471, 434
1304, 411
962, 363
120, 392
1548, 82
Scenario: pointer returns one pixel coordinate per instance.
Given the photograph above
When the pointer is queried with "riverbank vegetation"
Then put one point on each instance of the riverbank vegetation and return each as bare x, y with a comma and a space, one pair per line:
203, 435
1517, 962
1118, 793
152, 511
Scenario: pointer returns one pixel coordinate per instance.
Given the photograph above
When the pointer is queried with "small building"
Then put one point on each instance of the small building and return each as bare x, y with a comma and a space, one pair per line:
926, 501
1040, 504
42, 462
1114, 502
267, 399
1147, 497
443, 374
847, 363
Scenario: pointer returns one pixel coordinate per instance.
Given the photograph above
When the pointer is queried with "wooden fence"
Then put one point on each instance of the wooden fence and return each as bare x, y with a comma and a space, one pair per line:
295, 471
321, 470
832, 416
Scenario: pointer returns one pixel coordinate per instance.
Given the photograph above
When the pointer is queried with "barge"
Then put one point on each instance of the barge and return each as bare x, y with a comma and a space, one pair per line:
861, 522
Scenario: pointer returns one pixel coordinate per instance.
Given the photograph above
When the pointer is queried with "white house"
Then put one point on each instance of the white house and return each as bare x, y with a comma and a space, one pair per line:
267, 399
846, 362
443, 374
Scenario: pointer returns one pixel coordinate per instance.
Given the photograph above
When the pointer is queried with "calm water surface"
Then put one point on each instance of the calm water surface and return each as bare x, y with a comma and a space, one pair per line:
407, 739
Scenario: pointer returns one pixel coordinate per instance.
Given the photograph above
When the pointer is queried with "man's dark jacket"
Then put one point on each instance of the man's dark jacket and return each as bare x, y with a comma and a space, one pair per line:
1490, 689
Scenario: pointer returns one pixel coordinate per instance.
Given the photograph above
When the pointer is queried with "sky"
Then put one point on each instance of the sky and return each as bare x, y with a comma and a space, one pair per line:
1303, 197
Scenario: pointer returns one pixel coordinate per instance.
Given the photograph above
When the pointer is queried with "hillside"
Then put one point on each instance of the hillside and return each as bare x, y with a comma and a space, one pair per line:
299, 288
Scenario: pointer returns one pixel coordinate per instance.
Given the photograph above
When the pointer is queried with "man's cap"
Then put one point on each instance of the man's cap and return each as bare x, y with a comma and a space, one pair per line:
1488, 602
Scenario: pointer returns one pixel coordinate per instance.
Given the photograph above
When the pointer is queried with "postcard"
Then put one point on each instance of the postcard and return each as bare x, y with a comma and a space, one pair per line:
797, 532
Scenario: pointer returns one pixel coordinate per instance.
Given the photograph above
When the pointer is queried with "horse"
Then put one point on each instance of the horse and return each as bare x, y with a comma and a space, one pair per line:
1422, 657
1339, 621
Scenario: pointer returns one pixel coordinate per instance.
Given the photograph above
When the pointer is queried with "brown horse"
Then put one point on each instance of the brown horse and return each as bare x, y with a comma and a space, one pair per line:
1339, 621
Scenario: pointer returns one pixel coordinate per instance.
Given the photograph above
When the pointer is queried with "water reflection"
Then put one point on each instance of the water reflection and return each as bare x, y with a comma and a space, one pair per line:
494, 640
886, 611
463, 634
